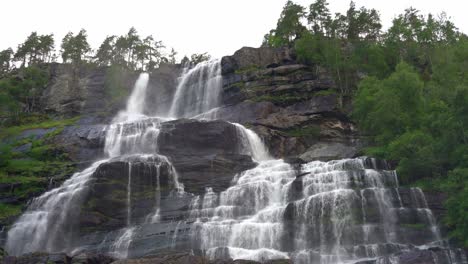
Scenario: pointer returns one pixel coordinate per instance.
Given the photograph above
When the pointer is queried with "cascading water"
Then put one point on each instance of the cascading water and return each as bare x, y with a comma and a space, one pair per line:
47, 225
340, 211
336, 212
198, 90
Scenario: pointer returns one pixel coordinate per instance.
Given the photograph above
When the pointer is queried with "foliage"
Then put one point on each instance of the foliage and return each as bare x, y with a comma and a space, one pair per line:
29, 170
5, 154
20, 91
36, 48
289, 26
457, 204
133, 52
75, 47
312, 131
409, 84
7, 210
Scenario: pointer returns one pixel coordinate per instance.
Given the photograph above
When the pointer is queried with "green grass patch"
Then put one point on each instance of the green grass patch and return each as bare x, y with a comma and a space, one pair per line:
15, 130
247, 69
7, 210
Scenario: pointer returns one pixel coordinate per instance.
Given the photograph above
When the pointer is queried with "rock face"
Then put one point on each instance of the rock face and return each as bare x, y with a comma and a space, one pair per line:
264, 57
204, 153
104, 90
295, 108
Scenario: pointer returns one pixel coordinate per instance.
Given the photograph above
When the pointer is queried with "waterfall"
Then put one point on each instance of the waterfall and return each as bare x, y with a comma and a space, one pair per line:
340, 211
48, 223
252, 144
198, 90
345, 210
136, 101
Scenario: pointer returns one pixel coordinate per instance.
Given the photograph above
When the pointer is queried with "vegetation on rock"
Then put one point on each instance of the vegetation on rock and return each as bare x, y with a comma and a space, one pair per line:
409, 85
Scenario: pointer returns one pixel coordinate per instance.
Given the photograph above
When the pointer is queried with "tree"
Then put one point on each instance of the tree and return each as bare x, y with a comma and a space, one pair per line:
172, 56
132, 41
105, 54
289, 26
319, 17
120, 51
46, 47
362, 24
75, 48
5, 61
457, 204
388, 108
35, 49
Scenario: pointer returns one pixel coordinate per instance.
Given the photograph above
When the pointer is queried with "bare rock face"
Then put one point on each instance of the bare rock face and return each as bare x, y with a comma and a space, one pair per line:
263, 57
204, 153
295, 108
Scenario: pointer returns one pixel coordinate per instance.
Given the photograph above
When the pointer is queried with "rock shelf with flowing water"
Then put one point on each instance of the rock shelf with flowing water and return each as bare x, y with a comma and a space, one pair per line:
135, 202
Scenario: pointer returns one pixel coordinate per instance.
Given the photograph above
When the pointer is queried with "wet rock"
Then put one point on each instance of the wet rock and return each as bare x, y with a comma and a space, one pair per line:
204, 153
35, 258
89, 258
245, 112
105, 207
417, 257
325, 151
83, 143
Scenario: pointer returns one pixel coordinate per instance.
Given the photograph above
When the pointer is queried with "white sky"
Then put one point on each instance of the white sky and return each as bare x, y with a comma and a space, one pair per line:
218, 27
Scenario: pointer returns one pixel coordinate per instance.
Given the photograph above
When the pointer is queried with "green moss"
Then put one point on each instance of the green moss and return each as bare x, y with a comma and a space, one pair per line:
60, 124
115, 83
19, 179
247, 69
277, 99
310, 131
418, 226
326, 92
7, 210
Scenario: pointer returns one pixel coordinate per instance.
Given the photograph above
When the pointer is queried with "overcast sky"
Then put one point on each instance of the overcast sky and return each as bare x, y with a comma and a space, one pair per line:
219, 27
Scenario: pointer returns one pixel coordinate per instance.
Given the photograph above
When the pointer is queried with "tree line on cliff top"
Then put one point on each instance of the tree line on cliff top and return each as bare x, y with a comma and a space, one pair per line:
408, 86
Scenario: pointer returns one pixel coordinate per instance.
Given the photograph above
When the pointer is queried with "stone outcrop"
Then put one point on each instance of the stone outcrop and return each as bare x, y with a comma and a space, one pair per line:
295, 108
203, 152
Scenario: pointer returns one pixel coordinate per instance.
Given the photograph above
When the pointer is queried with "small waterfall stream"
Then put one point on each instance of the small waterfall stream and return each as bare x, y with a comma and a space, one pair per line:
341, 211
